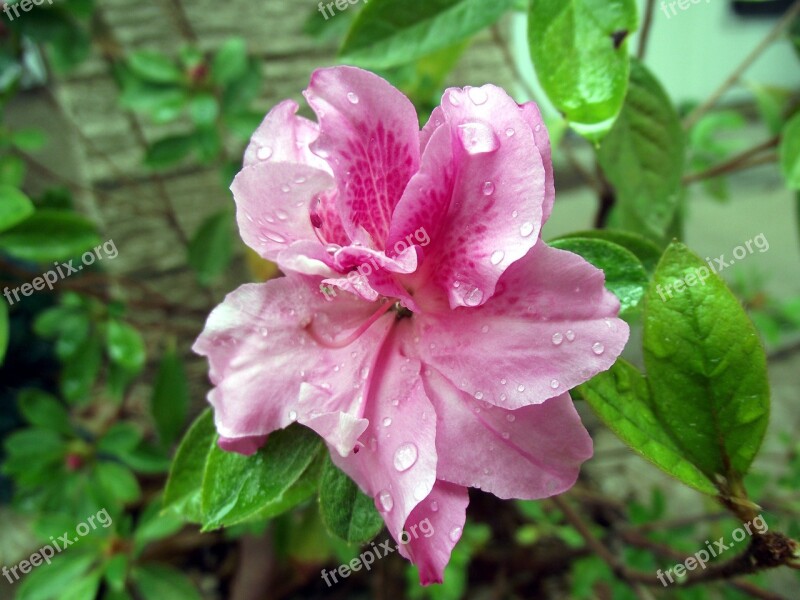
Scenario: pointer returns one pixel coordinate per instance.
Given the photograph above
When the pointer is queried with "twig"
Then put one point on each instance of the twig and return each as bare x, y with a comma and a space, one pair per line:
501, 44
748, 158
773, 35
644, 35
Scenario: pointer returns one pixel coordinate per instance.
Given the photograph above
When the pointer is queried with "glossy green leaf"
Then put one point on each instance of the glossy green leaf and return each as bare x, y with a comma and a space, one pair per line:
184, 486
50, 235
49, 581
83, 588
80, 372
158, 582
169, 151
386, 33
621, 399
580, 51
15, 207
170, 400
346, 511
705, 365
790, 152
230, 61
125, 346
154, 67
211, 248
40, 409
625, 275
155, 525
646, 251
120, 439
116, 572
117, 481
237, 488
643, 157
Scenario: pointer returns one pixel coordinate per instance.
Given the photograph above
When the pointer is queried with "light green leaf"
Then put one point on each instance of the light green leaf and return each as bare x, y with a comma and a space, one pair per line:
386, 33
211, 249
621, 399
237, 488
158, 582
705, 365
80, 372
49, 581
154, 67
625, 275
83, 588
204, 109
117, 481
646, 251
116, 572
170, 401
125, 346
50, 235
41, 409
790, 152
120, 439
29, 139
580, 52
643, 157
346, 511
230, 61
15, 207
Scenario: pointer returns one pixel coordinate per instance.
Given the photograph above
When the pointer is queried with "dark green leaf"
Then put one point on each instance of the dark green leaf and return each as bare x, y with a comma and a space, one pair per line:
646, 251
155, 525
117, 481
81, 371
643, 157
790, 152
120, 439
43, 410
580, 52
169, 151
116, 572
157, 582
346, 511
154, 67
48, 582
50, 235
386, 33
705, 365
83, 588
204, 109
211, 249
170, 401
4, 327
621, 399
15, 207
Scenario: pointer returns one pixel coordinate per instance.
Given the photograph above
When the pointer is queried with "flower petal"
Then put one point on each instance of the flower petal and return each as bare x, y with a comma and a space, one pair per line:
551, 326
396, 460
269, 369
370, 136
532, 452
533, 116
438, 522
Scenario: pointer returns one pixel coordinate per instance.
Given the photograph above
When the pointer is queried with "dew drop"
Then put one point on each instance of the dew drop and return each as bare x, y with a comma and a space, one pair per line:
485, 329
514, 214
497, 257
264, 153
477, 138
478, 96
387, 421
557, 339
478, 395
505, 435
275, 237
405, 456
570, 335
281, 214
455, 534
502, 382
364, 372
488, 188
384, 501
292, 415
598, 348
352, 97
300, 179
503, 397
520, 388
434, 506
554, 383
510, 132
285, 188
537, 128
526, 229
474, 297
510, 418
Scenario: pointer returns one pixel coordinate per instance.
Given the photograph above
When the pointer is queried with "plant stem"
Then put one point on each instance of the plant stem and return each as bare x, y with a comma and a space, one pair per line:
644, 35
748, 158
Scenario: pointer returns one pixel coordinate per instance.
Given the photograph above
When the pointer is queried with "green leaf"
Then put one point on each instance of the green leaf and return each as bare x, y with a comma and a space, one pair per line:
117, 481
643, 157
580, 52
4, 328
120, 439
625, 275
125, 346
12, 171
346, 511
154, 525
211, 249
185, 483
646, 251
80, 372
230, 62
790, 152
705, 365
40, 409
15, 207
169, 151
50, 235
207, 144
49, 581
154, 67
386, 33
116, 572
83, 588
621, 398
157, 582
237, 488
28, 140
204, 109
170, 401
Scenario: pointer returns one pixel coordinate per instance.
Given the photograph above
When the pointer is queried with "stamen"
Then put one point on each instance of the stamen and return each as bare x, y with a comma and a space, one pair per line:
349, 339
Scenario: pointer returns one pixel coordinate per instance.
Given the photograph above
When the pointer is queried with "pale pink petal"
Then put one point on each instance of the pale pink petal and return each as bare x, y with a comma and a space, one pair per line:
433, 529
435, 121
533, 452
370, 136
243, 445
284, 137
533, 116
396, 460
551, 326
269, 369
493, 214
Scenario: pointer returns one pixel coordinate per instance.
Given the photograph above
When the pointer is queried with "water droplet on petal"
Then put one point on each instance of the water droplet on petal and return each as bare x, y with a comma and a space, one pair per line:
554, 383
434, 506
503, 397
384, 501
455, 534
598, 348
557, 339
570, 335
488, 188
478, 138
352, 97
264, 153
502, 382
285, 188
537, 128
510, 418
456, 284
526, 229
485, 329
405, 456
478, 395
497, 257
300, 179
454, 100
281, 214
510, 132
478, 96
520, 388
474, 297
505, 435
275, 237
364, 372
514, 214
292, 415
387, 421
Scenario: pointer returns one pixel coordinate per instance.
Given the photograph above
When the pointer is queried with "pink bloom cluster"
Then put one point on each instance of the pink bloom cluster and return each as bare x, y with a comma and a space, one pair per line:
447, 367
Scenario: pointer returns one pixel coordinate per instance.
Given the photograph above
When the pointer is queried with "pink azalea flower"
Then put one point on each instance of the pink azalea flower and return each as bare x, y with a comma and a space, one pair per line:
439, 352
